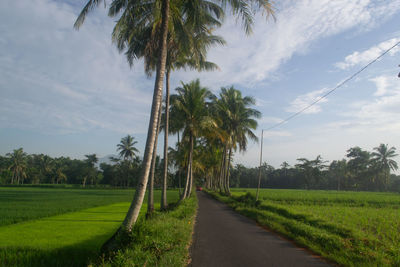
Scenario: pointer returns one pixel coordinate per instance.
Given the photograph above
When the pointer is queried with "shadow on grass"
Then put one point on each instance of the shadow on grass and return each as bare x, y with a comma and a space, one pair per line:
79, 254
307, 219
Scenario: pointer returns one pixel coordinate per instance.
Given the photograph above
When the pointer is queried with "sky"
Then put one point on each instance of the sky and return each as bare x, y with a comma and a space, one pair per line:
65, 92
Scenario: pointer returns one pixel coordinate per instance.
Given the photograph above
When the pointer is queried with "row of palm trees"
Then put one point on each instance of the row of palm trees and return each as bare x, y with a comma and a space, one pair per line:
212, 128
168, 34
209, 130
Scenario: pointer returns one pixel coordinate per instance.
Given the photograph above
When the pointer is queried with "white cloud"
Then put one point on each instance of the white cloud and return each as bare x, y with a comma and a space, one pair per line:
379, 115
366, 56
383, 83
300, 23
303, 101
55, 79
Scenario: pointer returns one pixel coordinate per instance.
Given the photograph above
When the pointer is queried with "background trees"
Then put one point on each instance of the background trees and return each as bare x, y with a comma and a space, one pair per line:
361, 171
17, 166
353, 173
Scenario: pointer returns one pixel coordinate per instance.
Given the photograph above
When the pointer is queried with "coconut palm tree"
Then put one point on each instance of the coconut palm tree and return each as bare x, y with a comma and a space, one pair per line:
238, 120
191, 103
187, 45
126, 148
141, 12
91, 172
176, 60
18, 165
59, 174
383, 156
46, 164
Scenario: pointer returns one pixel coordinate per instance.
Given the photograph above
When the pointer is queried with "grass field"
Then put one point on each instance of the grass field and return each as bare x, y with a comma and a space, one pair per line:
60, 227
19, 204
350, 228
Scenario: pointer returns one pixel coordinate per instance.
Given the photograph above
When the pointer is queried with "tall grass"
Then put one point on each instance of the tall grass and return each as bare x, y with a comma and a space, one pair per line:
350, 228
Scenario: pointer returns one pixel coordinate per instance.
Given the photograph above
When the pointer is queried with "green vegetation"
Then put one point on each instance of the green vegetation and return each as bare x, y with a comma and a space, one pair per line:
360, 171
67, 239
350, 228
28, 203
162, 240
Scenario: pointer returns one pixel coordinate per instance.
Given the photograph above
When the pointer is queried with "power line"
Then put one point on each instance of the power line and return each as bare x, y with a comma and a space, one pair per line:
332, 90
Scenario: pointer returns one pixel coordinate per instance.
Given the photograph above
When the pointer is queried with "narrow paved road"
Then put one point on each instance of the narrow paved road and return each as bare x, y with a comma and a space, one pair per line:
224, 238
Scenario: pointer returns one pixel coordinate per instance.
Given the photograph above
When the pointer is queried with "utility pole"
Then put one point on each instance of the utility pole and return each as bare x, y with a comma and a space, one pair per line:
259, 170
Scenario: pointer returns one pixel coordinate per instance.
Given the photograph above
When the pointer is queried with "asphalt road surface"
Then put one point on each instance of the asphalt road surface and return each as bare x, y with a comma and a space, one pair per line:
223, 237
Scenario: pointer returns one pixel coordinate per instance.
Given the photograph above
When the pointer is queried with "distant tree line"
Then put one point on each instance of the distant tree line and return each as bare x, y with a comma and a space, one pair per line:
18, 168
360, 170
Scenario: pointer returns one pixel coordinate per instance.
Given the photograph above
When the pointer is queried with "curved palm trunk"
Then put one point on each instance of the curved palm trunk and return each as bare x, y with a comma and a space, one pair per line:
187, 184
221, 171
228, 191
150, 203
185, 189
136, 204
165, 175
191, 168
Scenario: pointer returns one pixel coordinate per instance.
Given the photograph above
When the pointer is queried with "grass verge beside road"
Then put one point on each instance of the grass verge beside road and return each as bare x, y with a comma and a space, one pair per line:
350, 228
163, 240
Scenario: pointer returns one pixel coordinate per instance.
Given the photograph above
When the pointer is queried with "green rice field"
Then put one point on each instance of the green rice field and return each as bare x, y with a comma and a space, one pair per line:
60, 227
348, 228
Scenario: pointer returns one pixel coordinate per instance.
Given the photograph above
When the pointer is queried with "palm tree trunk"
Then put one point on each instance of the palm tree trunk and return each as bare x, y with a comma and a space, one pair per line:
191, 168
150, 197
227, 172
136, 204
150, 203
179, 174
259, 171
226, 165
190, 180
185, 189
165, 175
187, 184
221, 171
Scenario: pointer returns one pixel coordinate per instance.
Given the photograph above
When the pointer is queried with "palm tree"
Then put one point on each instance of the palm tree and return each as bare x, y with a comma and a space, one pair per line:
91, 172
126, 148
383, 157
187, 45
285, 166
46, 167
141, 12
18, 165
238, 120
59, 171
175, 61
190, 103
